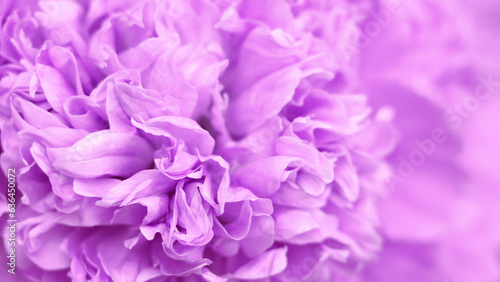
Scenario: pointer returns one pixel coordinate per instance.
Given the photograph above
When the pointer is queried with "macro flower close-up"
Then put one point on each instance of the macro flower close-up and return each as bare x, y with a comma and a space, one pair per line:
250, 140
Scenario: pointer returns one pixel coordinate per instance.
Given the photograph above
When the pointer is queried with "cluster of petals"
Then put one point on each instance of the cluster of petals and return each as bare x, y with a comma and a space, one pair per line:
221, 140
209, 140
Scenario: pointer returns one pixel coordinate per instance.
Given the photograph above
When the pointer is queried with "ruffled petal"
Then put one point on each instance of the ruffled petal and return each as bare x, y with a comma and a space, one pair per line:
104, 153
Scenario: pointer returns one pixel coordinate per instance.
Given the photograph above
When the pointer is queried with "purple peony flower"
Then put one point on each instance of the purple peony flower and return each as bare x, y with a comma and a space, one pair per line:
233, 140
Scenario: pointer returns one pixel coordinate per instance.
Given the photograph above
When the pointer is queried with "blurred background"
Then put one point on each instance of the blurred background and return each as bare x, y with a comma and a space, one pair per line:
436, 63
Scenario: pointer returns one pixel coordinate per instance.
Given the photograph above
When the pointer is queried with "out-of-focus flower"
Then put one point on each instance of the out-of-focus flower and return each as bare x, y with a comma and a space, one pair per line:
426, 66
